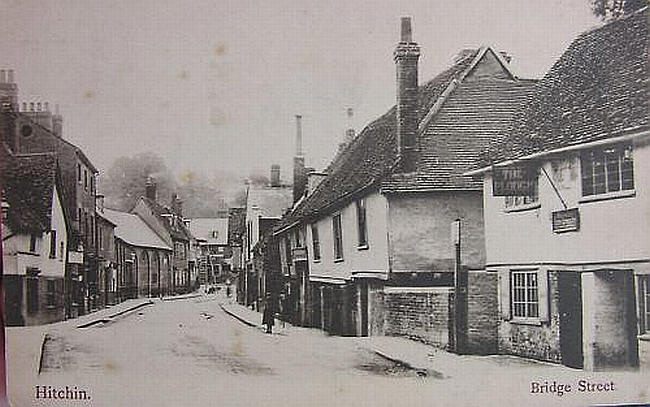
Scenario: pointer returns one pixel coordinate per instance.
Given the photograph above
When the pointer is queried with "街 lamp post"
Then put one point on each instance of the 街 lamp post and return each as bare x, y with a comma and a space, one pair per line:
460, 290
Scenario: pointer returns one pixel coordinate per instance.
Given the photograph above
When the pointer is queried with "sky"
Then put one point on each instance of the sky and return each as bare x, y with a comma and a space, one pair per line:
215, 85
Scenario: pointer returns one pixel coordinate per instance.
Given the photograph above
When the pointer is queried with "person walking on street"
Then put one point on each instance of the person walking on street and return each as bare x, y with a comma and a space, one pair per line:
268, 317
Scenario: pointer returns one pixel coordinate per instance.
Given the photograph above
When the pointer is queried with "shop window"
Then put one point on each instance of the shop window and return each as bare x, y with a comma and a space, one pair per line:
524, 294
338, 237
315, 241
361, 223
607, 170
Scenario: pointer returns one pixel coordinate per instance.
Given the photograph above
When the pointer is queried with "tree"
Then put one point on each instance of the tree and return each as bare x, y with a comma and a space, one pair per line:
125, 180
613, 9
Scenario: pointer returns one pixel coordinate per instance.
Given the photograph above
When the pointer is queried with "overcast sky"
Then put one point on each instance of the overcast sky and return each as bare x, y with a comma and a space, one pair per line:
216, 84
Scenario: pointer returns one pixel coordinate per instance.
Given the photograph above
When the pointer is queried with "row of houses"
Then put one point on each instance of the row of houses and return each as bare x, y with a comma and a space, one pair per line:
483, 213
64, 254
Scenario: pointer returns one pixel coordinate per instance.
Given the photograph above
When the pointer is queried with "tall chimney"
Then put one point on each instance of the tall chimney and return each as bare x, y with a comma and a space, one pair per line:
299, 174
406, 57
150, 189
275, 175
57, 122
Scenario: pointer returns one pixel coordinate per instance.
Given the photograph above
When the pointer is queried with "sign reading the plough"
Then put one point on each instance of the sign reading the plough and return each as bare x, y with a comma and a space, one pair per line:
514, 181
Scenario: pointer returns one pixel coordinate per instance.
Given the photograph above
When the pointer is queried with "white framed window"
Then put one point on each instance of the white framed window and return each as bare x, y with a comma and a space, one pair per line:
338, 236
607, 170
315, 240
645, 284
362, 227
524, 294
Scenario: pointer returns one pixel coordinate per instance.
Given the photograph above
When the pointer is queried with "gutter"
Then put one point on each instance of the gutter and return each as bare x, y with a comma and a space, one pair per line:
542, 154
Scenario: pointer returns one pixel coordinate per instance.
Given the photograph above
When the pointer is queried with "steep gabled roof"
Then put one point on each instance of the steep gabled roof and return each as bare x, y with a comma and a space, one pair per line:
456, 117
133, 230
270, 202
597, 90
28, 187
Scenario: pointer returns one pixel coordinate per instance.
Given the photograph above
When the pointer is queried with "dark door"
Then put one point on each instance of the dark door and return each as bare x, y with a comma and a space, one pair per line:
13, 300
364, 308
570, 308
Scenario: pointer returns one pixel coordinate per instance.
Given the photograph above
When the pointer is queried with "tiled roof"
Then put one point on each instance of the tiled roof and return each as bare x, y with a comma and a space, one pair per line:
474, 115
133, 230
176, 231
451, 138
597, 90
29, 183
204, 228
271, 202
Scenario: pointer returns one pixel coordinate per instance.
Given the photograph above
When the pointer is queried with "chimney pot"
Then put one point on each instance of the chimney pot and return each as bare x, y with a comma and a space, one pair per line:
31, 106
38, 106
47, 106
3, 76
10, 76
406, 34
24, 106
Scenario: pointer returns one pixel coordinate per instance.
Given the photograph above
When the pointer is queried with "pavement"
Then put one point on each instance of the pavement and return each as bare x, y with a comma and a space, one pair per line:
426, 359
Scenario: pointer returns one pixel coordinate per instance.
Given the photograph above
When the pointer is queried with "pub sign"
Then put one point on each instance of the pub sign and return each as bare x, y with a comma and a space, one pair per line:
514, 181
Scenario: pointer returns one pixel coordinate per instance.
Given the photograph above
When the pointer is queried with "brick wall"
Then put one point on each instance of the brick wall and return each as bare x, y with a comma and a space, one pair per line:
421, 314
482, 313
540, 342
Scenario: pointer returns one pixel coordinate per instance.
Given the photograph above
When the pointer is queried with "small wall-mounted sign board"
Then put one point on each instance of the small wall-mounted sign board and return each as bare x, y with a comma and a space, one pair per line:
566, 221
299, 254
75, 257
514, 181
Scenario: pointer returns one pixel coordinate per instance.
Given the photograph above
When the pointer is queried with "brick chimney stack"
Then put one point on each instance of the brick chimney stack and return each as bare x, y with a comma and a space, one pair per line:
275, 175
8, 90
150, 189
57, 122
406, 57
349, 133
299, 174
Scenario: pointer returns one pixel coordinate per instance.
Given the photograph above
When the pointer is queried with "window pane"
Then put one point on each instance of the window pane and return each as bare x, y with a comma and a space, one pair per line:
627, 171
612, 163
599, 174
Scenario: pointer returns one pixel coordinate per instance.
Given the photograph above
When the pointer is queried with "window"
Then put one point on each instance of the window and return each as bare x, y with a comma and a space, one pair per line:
79, 173
32, 243
607, 170
361, 223
646, 301
92, 183
315, 242
61, 251
32, 289
53, 244
287, 249
298, 240
524, 294
51, 293
338, 237
85, 179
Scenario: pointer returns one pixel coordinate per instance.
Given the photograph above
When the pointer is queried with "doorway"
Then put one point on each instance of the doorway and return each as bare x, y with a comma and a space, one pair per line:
570, 310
